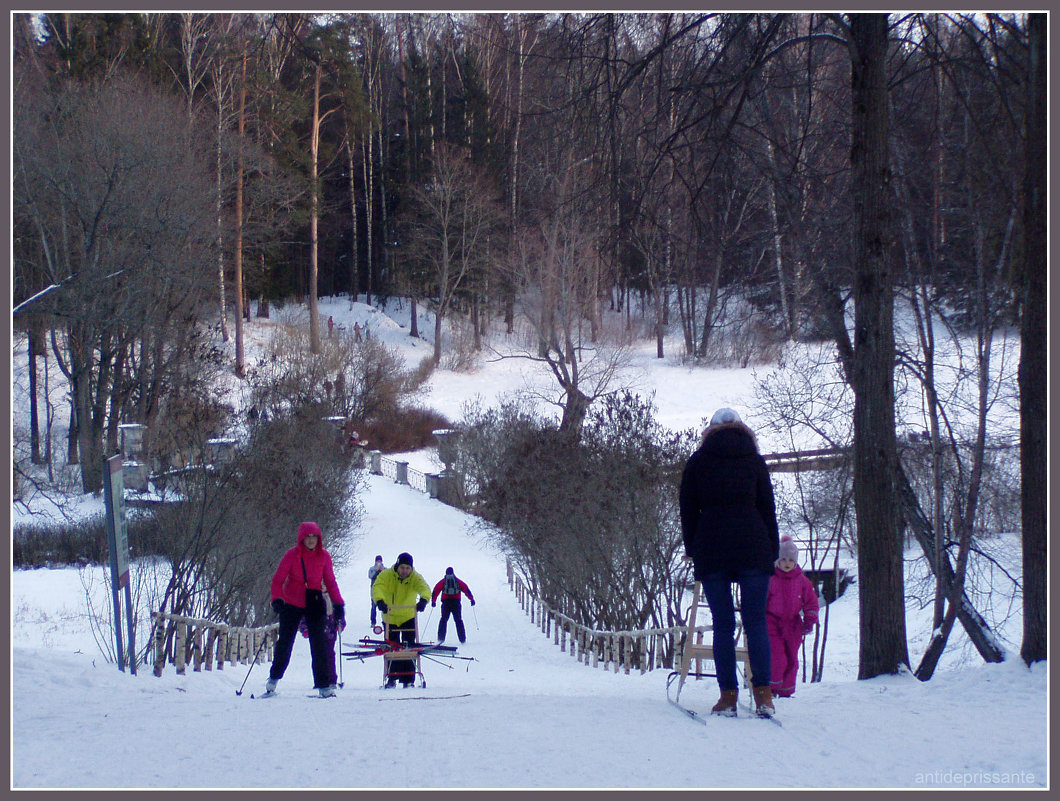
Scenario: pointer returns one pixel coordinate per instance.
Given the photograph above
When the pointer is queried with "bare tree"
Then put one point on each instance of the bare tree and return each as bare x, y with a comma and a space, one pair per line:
447, 229
555, 263
114, 184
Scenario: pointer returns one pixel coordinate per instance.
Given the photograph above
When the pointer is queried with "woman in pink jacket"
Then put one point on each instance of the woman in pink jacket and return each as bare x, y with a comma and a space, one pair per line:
791, 613
305, 571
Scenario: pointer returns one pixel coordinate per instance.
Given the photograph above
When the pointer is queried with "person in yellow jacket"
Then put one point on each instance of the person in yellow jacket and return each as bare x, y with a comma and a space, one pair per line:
394, 592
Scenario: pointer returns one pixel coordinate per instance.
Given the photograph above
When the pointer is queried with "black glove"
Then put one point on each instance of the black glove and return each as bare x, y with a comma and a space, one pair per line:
472, 602
381, 606
278, 605
340, 612
421, 604
434, 603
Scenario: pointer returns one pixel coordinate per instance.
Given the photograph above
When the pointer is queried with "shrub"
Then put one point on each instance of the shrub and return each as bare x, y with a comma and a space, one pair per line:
402, 430
361, 381
80, 542
222, 541
591, 522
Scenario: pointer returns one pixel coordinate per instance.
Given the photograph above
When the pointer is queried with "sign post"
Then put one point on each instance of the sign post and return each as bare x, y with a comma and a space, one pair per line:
118, 540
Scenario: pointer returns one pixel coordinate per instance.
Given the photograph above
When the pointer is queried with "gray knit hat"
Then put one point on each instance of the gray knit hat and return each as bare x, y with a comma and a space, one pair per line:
788, 549
725, 415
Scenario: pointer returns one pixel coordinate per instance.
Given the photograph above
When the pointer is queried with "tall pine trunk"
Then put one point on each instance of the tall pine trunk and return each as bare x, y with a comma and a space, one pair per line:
240, 355
883, 648
1033, 362
314, 202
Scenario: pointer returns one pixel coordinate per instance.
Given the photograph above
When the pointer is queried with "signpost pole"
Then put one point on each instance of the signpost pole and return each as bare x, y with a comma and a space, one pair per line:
118, 540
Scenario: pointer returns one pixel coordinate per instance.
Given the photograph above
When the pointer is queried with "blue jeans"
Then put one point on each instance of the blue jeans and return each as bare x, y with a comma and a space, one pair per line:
754, 588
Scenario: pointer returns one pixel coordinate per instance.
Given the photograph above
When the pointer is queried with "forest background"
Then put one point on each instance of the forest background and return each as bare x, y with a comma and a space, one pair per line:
748, 178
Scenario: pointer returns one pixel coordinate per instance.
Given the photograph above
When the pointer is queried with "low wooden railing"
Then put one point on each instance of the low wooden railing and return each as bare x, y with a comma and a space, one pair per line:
624, 651
179, 640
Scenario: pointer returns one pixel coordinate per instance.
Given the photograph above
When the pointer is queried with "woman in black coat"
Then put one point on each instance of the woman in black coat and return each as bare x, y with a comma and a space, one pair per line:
729, 525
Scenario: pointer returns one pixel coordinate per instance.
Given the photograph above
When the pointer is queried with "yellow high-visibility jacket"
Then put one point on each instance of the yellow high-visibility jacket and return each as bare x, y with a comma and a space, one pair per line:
395, 591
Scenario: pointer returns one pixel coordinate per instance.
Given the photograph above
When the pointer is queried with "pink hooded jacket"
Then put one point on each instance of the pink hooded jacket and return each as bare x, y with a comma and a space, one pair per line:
791, 606
289, 582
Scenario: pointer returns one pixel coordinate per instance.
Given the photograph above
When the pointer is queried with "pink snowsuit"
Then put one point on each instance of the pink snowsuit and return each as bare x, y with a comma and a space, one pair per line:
791, 612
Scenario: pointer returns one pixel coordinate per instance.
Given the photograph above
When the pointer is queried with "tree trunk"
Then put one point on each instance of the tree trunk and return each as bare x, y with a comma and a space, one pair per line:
352, 287
778, 256
116, 401
974, 624
314, 201
712, 302
574, 411
240, 355
220, 224
883, 648
36, 348
1033, 362
366, 167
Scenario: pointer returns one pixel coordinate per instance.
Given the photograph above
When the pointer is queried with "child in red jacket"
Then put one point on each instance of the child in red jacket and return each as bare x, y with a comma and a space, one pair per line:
791, 613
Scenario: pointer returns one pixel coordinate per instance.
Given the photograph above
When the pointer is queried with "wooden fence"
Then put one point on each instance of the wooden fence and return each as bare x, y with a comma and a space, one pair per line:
180, 641
644, 650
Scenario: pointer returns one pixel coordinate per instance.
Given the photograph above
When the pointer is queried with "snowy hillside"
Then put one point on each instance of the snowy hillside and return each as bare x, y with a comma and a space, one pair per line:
523, 714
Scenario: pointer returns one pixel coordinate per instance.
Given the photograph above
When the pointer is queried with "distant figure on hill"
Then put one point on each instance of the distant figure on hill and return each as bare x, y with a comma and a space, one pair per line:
450, 587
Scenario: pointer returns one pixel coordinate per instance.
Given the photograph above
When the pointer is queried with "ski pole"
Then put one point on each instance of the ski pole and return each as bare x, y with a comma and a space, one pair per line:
253, 662
427, 622
476, 616
340, 655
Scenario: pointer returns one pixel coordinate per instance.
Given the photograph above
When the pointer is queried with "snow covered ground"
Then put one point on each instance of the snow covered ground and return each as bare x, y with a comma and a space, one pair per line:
533, 717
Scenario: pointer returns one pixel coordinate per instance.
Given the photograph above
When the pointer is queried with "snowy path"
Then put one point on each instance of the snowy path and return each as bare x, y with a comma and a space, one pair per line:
534, 718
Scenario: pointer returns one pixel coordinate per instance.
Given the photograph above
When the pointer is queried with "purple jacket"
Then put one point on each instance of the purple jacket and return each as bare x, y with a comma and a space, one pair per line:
791, 607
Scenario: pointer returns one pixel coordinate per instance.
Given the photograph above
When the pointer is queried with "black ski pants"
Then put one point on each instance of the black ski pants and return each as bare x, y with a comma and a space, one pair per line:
321, 651
402, 669
451, 606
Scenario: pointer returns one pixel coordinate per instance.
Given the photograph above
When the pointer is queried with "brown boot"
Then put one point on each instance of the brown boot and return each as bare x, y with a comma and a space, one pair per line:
726, 705
763, 701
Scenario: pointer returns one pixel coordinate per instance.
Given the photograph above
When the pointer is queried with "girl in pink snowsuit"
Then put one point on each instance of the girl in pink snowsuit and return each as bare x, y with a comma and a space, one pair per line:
791, 613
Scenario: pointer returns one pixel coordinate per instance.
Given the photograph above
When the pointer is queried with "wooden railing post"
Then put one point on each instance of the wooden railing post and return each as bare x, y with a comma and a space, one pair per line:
179, 643
158, 631
196, 648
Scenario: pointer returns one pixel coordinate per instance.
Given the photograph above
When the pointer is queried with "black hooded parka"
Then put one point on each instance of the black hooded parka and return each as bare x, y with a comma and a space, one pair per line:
728, 513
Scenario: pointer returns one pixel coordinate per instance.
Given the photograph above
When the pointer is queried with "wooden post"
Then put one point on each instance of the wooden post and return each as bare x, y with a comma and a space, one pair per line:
211, 640
159, 639
179, 643
196, 648
222, 646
